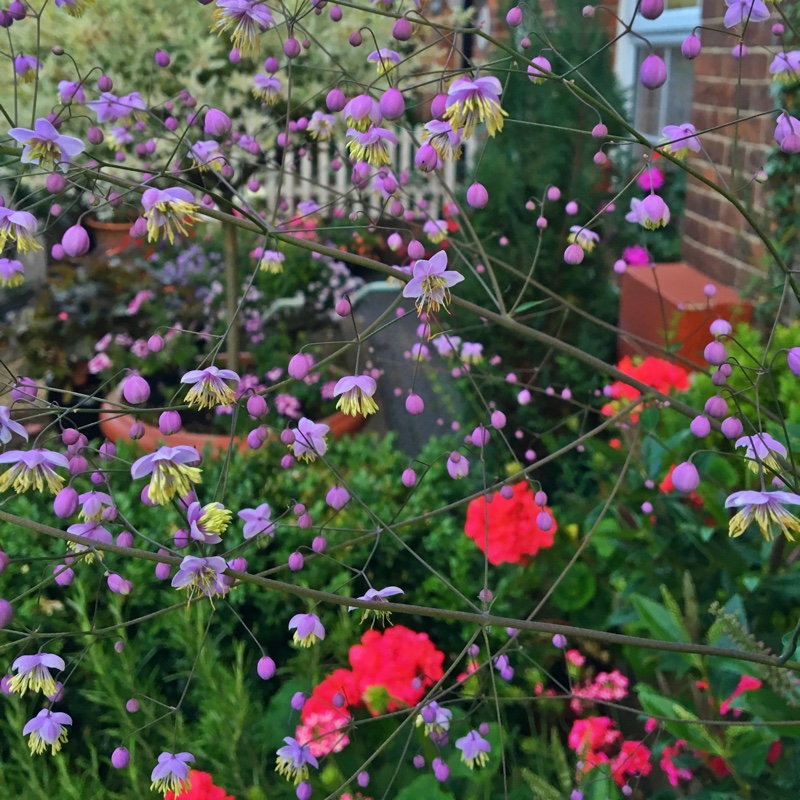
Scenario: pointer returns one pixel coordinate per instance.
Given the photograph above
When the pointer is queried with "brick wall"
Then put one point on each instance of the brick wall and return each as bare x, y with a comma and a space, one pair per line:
716, 239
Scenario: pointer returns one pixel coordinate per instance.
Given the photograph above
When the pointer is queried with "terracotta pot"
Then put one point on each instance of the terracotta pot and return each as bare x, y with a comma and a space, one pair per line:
109, 237
116, 427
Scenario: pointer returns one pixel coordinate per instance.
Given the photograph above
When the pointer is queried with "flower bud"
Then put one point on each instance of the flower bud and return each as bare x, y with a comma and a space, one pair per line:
135, 390
4, 560
573, 254
439, 105
303, 791
296, 561
401, 30
120, 758
426, 158
416, 249
544, 521
514, 17
169, 422
265, 668
75, 241
162, 58
256, 406
415, 405
63, 575
216, 123
355, 39
392, 104
685, 477
335, 101
291, 47
300, 365
690, 47
715, 353
408, 478
653, 72
477, 196
55, 183
104, 83
337, 497
793, 360
65, 503
732, 427
118, 585
716, 406
343, 307
651, 9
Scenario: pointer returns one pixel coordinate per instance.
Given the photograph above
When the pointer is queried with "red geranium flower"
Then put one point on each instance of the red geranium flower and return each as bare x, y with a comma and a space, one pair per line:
513, 533
200, 787
662, 375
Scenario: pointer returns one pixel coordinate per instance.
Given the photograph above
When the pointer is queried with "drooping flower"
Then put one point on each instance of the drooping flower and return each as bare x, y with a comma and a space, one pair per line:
293, 760
33, 673
207, 522
786, 66
246, 18
267, 88
93, 504
787, 133
132, 105
355, 395
538, 69
75, 8
91, 531
371, 145
470, 102
207, 155
652, 212
361, 112
436, 230
168, 210
507, 529
47, 729
272, 262
430, 283
443, 139
584, 237
435, 718
172, 472
19, 227
32, 469
26, 67
9, 426
309, 439
377, 595
761, 450
740, 11
257, 521
108, 108
12, 272
45, 146
474, 749
385, 59
202, 575
320, 126
71, 92
209, 388
308, 629
680, 140
171, 772
766, 509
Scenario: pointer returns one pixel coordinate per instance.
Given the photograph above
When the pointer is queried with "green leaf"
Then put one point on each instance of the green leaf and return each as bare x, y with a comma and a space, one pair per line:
577, 588
542, 789
648, 419
690, 728
427, 787
657, 619
560, 759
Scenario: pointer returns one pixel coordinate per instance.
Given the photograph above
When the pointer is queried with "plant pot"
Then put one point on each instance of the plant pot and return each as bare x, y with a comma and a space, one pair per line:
116, 427
109, 237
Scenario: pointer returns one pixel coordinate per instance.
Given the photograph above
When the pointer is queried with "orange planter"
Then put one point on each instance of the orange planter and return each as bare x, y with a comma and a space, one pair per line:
116, 427
666, 305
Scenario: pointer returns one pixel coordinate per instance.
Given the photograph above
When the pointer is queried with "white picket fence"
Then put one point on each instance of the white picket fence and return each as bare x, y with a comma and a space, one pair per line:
309, 174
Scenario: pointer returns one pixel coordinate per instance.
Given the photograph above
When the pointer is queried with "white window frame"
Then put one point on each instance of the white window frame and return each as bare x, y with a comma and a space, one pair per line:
670, 29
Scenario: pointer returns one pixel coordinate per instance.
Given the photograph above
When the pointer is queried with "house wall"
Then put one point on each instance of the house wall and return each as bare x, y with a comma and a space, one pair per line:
716, 238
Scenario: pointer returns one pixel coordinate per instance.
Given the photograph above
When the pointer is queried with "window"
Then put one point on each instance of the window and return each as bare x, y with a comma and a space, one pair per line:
650, 110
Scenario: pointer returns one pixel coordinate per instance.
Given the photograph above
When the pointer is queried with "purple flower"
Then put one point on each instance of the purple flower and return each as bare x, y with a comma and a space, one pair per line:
307, 629
207, 155
740, 11
32, 469
257, 521
293, 760
33, 673
376, 596
370, 145
208, 387
19, 227
26, 67
766, 508
457, 466
168, 209
309, 439
246, 19
94, 503
538, 69
202, 574
171, 471
786, 66
8, 426
474, 749
47, 729
71, 92
470, 102
584, 237
108, 108
443, 139
787, 133
435, 718
681, 139
75, 8
92, 531
361, 112
385, 58
267, 88
320, 126
12, 272
356, 395
132, 105
430, 283
171, 772
206, 523
761, 449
